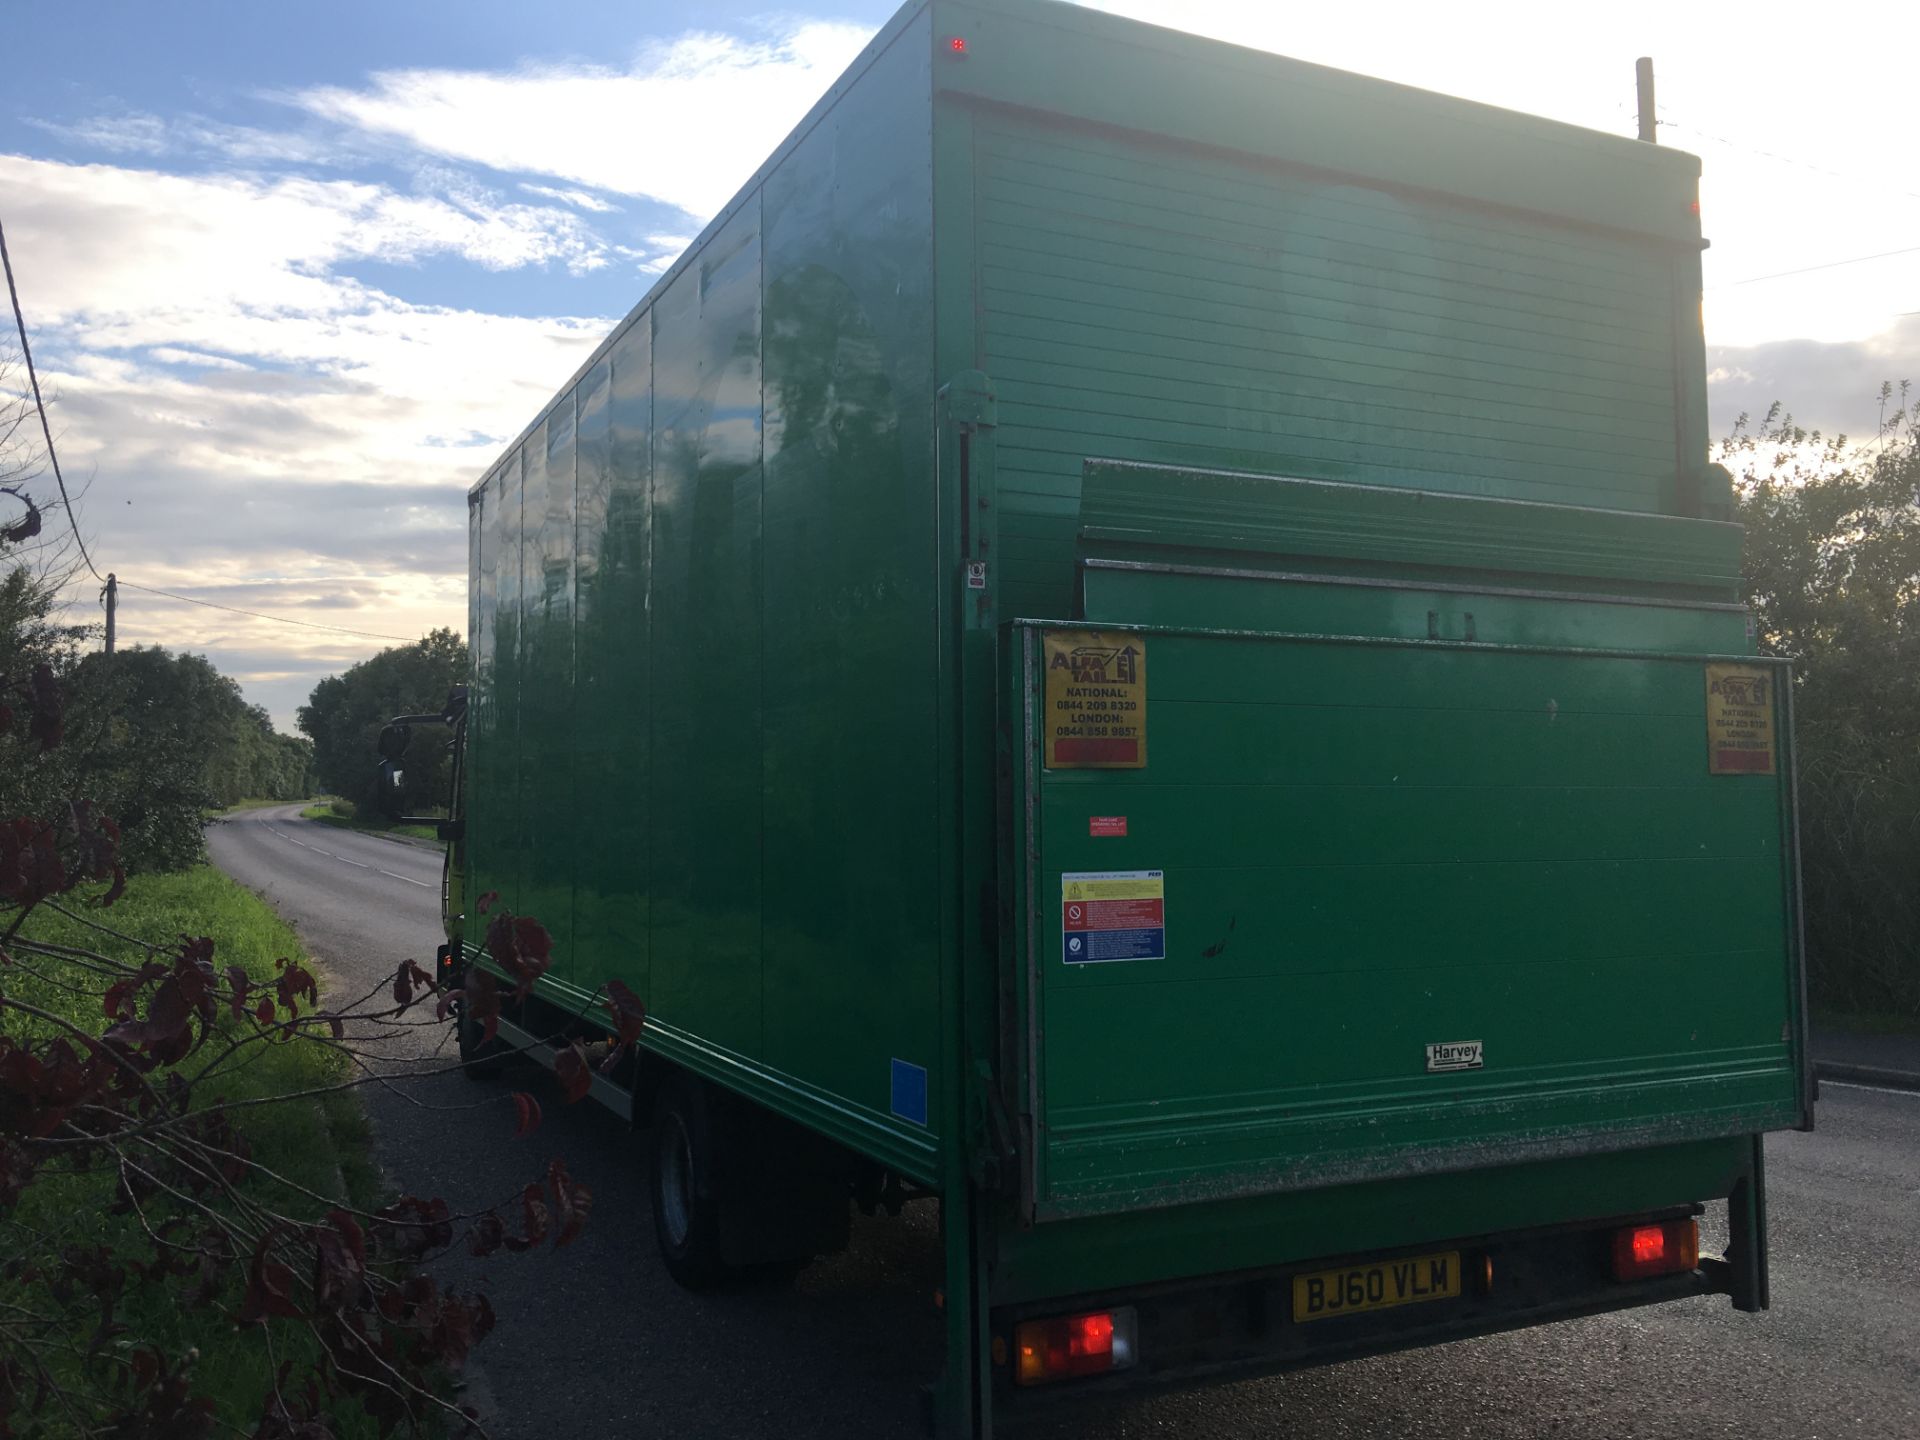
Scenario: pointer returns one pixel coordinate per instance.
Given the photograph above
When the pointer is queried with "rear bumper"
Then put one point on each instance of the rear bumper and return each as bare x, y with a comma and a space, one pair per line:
1243, 1325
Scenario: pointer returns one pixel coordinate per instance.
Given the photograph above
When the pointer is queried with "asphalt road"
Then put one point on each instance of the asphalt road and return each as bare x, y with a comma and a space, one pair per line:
596, 1340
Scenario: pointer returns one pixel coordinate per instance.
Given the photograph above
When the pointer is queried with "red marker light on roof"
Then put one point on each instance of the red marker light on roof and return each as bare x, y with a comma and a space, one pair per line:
958, 44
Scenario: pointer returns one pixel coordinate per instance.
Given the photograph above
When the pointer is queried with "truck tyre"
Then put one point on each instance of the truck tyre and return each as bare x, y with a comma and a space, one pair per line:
686, 1211
480, 1058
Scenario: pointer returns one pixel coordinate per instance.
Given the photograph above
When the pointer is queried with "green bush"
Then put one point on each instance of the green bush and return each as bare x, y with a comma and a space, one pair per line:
1833, 566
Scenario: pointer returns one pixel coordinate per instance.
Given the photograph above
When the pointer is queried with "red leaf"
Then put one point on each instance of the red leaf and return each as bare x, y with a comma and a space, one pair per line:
340, 1262
483, 1003
416, 1226
486, 902
407, 980
264, 1012
119, 999
528, 1110
571, 1202
487, 1235
295, 983
521, 947
533, 1209
570, 1069
628, 1010
238, 983
114, 891
269, 1284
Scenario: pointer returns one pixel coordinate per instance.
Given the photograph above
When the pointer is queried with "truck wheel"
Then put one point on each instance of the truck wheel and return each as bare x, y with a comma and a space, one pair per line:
480, 1058
686, 1213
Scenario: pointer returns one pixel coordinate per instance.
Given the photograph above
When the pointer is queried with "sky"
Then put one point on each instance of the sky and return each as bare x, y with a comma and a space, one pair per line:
294, 274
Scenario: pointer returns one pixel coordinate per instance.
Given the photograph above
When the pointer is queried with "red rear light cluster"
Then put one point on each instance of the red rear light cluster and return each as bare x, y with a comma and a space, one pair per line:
1664, 1248
1071, 1345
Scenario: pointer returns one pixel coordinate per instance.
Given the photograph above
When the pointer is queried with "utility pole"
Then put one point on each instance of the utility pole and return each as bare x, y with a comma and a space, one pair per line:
1643, 83
111, 594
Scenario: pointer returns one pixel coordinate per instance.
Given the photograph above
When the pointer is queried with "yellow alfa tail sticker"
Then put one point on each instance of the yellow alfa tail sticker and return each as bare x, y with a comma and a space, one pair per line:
1096, 700
1739, 720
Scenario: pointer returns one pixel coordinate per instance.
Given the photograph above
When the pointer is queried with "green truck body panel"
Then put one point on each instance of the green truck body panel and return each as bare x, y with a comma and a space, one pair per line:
1372, 845
1379, 418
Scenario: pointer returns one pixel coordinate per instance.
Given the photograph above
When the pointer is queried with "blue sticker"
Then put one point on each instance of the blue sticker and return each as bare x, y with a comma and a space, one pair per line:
910, 1092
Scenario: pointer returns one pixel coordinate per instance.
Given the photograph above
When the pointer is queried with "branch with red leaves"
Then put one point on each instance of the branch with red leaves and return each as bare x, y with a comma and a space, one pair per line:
128, 1099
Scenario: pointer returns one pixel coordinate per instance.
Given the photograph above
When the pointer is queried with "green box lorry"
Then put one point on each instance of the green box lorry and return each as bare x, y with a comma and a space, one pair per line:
1140, 638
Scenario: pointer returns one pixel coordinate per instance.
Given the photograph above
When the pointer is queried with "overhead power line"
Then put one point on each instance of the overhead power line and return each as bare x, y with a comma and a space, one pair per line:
26, 352
281, 619
53, 459
1881, 184
1809, 269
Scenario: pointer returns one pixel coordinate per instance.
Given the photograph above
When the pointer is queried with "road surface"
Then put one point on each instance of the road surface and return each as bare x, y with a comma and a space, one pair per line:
596, 1340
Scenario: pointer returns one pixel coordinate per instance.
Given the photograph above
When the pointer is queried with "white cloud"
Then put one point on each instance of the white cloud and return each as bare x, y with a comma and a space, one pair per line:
133, 134
1831, 386
579, 199
686, 123
138, 133
174, 355
263, 430
665, 250
145, 254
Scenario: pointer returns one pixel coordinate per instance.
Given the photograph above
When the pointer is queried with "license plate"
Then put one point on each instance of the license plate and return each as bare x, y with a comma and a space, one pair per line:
1354, 1289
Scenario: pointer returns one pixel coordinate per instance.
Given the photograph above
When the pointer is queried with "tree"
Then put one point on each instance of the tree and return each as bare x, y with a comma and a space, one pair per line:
151, 724
253, 761
1833, 566
346, 712
155, 738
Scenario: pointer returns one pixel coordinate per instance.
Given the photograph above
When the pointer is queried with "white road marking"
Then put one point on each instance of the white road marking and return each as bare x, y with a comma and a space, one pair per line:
423, 884
1876, 1089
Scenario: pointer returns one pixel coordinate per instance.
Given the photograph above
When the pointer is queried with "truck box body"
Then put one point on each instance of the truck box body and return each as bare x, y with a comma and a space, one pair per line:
1345, 446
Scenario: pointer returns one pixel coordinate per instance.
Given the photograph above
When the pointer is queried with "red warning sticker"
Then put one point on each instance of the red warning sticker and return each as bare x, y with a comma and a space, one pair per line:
1098, 825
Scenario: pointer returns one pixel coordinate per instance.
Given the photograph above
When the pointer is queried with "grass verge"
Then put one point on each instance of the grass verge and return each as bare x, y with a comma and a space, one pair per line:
240, 805
340, 813
322, 1144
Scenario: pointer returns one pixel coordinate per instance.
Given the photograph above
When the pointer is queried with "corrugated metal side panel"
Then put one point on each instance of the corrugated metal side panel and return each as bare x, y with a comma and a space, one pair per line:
1157, 304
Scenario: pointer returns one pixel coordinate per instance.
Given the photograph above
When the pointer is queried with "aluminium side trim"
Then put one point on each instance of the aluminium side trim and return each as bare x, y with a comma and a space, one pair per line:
614, 1097
1036, 1126
1809, 1084
1401, 642
915, 1156
1399, 1163
1441, 587
1449, 496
